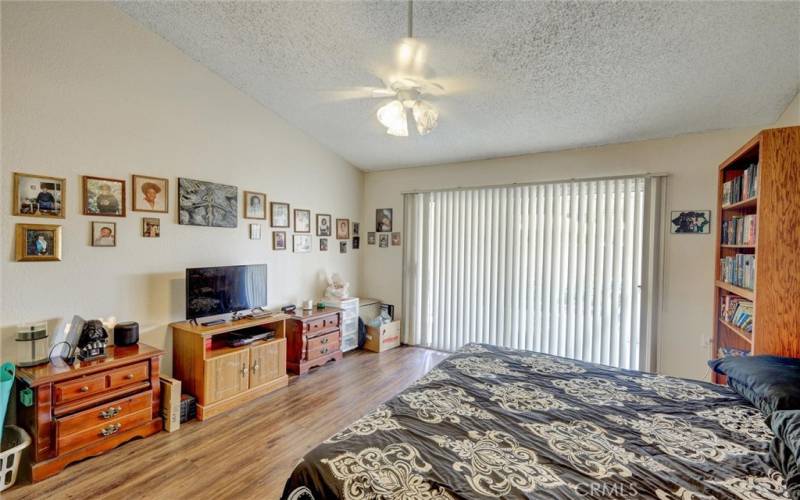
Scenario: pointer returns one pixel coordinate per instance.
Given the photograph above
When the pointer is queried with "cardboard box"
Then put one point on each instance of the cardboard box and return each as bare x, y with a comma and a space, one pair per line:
171, 403
384, 338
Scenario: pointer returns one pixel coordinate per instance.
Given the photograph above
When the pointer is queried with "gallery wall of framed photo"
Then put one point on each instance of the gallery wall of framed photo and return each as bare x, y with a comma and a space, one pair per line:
109, 159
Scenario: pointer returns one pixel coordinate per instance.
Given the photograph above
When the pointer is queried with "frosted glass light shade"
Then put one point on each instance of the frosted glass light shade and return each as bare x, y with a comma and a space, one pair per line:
426, 117
393, 117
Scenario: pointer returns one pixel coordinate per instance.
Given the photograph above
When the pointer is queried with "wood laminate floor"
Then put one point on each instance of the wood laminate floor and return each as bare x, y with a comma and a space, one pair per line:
247, 452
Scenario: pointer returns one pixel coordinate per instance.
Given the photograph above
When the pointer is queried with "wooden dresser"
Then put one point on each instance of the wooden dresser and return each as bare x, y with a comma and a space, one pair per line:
89, 407
222, 377
313, 339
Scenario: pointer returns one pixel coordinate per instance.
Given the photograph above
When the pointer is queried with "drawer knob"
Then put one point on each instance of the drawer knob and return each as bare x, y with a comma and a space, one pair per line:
111, 412
129, 376
111, 429
85, 388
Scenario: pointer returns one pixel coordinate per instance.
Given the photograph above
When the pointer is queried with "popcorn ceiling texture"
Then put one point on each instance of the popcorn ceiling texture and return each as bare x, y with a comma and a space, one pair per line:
526, 76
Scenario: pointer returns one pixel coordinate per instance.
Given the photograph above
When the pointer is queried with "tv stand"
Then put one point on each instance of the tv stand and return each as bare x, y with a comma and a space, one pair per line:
222, 377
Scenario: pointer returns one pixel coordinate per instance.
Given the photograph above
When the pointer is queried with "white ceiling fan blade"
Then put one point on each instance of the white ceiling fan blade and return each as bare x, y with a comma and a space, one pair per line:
340, 95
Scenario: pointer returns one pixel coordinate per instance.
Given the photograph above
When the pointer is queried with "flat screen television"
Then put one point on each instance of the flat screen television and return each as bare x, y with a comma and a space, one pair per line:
221, 290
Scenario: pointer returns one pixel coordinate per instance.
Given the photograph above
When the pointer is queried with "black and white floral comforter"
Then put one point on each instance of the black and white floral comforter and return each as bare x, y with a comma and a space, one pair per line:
493, 422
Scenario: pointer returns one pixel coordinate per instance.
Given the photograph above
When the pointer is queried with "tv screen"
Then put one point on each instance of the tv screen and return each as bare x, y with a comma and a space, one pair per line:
221, 290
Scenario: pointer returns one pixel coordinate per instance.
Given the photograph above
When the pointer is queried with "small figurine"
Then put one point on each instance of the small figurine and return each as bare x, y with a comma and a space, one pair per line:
93, 341
337, 287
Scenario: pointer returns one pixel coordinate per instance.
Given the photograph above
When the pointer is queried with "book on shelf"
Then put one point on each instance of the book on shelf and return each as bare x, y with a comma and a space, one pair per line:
742, 187
739, 270
737, 311
731, 352
740, 230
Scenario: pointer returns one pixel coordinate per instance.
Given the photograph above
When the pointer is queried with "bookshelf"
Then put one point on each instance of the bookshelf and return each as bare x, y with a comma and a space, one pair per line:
758, 232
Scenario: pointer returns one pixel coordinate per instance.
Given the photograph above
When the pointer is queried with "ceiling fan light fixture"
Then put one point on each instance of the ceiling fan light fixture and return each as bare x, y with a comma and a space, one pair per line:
393, 117
425, 116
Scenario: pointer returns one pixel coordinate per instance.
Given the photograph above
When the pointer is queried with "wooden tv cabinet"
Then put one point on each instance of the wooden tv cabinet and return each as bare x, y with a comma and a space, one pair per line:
223, 377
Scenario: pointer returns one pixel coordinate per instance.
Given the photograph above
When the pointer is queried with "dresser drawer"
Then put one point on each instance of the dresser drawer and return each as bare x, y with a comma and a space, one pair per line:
79, 388
322, 345
102, 431
103, 414
129, 375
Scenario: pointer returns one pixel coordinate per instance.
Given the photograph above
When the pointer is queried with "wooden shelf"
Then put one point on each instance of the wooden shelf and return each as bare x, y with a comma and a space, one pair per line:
738, 246
741, 292
221, 351
750, 202
746, 336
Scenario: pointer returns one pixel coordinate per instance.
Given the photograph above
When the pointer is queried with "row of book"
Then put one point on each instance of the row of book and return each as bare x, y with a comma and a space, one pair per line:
737, 311
731, 352
739, 270
740, 230
742, 187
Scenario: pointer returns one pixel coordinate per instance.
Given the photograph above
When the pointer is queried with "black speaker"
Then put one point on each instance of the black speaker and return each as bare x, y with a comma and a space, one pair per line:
126, 333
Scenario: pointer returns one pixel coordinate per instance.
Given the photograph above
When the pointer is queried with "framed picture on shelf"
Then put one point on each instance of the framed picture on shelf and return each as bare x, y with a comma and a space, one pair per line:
342, 229
323, 225
323, 244
370, 238
383, 220
301, 243
690, 222
102, 196
38, 242
302, 220
255, 231
279, 214
39, 195
279, 240
150, 194
255, 205
151, 227
104, 234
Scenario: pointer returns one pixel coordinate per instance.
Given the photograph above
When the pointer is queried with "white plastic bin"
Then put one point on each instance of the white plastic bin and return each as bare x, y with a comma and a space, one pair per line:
14, 441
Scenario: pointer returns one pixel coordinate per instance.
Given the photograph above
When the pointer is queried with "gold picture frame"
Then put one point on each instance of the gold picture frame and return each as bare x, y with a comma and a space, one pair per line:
31, 212
38, 242
92, 190
249, 208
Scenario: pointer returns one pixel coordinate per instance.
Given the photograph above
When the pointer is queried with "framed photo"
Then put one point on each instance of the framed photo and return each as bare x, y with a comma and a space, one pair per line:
342, 229
356, 228
150, 194
356, 242
38, 242
383, 241
370, 238
690, 222
323, 244
395, 239
39, 195
323, 225
202, 203
103, 196
301, 243
151, 227
255, 231
279, 214
342, 247
255, 205
104, 234
302, 220
383, 220
279, 240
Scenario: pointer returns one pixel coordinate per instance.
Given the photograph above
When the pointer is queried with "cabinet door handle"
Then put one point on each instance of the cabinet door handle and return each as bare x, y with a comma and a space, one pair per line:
244, 369
256, 366
85, 388
111, 429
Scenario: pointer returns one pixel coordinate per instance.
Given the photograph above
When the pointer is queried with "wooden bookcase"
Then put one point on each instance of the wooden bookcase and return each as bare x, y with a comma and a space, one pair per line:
776, 294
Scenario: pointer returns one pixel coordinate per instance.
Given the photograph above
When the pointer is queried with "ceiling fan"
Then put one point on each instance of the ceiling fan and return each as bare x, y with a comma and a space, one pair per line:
407, 85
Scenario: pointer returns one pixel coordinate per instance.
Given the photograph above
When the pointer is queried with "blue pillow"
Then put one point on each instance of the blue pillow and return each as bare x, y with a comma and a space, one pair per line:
785, 448
771, 383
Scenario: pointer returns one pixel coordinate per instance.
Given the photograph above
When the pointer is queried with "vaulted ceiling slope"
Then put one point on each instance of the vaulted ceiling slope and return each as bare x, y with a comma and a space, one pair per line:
519, 77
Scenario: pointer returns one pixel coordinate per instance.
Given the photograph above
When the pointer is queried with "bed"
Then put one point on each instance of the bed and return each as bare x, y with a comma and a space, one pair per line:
494, 422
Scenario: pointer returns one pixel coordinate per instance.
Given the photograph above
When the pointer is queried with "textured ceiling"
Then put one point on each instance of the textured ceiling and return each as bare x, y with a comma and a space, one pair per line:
520, 77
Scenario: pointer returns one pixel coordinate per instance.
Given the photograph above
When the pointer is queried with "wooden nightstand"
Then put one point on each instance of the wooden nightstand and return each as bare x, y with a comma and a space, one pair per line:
314, 338
88, 408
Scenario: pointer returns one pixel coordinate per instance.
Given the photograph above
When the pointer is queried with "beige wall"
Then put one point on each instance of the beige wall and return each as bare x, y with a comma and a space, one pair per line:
86, 90
690, 161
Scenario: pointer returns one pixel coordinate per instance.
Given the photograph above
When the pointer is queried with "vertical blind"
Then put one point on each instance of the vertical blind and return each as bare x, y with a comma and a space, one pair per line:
556, 268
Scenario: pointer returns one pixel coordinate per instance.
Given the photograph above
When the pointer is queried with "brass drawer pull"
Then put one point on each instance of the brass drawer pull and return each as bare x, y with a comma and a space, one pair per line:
325, 340
129, 376
85, 388
255, 367
111, 412
111, 429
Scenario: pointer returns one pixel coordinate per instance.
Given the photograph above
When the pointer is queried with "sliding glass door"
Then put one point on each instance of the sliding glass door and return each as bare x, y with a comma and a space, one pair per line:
556, 268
